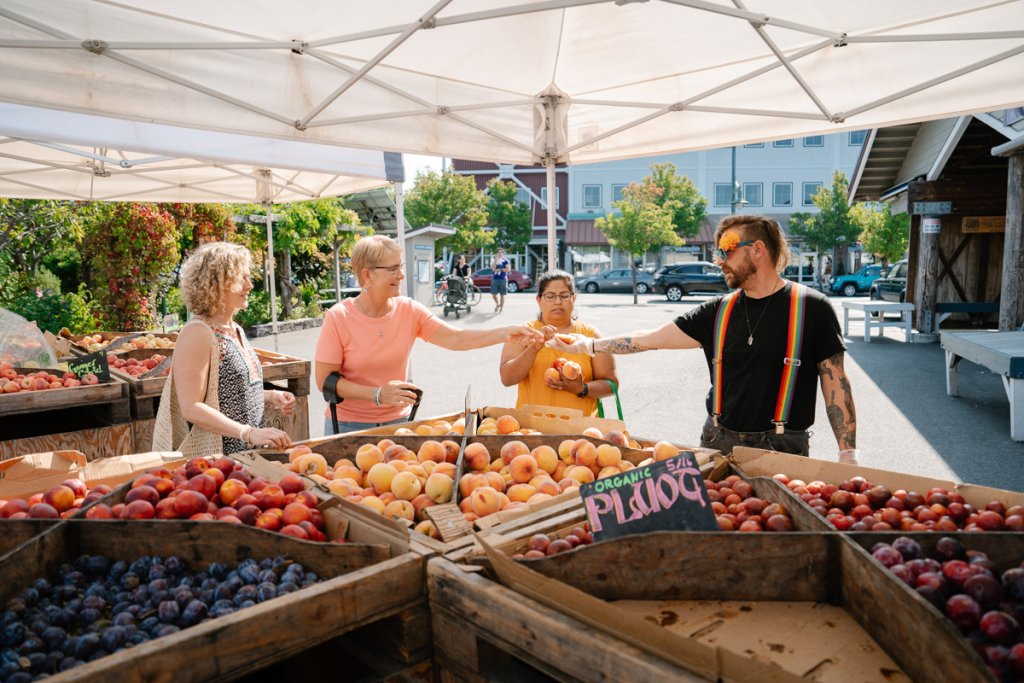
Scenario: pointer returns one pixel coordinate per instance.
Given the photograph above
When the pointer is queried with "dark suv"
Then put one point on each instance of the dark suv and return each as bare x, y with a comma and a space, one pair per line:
680, 279
892, 287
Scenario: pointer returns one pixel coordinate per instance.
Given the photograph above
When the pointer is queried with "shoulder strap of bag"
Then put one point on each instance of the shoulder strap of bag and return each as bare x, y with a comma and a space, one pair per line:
618, 403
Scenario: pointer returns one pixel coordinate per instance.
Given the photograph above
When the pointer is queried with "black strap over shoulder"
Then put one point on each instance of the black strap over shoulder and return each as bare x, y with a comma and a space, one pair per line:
331, 396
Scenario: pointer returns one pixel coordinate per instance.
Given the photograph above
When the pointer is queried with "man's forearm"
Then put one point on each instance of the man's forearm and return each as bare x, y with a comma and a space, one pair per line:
619, 345
838, 394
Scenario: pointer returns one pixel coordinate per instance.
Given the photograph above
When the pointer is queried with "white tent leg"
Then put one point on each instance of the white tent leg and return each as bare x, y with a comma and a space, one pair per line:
552, 208
270, 266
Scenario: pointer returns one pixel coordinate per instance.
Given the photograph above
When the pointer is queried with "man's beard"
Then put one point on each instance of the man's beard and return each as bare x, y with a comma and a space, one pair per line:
736, 276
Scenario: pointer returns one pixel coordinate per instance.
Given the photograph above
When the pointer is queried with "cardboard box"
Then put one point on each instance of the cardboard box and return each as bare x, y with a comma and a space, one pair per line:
552, 421
28, 474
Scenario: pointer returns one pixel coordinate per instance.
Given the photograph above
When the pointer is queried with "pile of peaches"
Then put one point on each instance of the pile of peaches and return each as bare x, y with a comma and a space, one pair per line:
435, 428
134, 366
219, 489
542, 545
736, 507
859, 505
57, 502
12, 381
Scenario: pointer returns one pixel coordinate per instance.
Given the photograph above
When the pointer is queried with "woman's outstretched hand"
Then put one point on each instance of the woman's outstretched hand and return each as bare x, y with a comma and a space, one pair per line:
523, 335
571, 343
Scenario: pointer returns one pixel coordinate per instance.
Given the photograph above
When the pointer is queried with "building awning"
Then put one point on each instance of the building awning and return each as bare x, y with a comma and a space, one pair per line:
579, 232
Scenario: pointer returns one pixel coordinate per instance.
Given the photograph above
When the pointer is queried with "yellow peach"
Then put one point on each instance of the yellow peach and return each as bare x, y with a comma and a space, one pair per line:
404, 431
477, 457
374, 503
546, 457
470, 481
311, 463
395, 452
538, 497
506, 424
439, 488
427, 528
520, 492
593, 432
498, 465
385, 444
625, 465
663, 450
298, 451
367, 456
399, 465
494, 480
406, 485
423, 430
522, 468
421, 503
513, 448
584, 453
616, 438
341, 487
445, 468
559, 472
465, 505
349, 472
552, 375
402, 509
610, 471
571, 370
428, 467
451, 451
580, 473
565, 450
608, 455
485, 501
459, 426
549, 487
380, 476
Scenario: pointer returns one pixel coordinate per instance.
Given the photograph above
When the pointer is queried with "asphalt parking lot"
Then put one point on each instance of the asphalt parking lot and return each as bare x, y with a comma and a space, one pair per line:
906, 422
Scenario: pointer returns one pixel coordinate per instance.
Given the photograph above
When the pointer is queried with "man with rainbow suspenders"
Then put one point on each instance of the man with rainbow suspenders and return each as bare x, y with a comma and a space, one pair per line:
768, 345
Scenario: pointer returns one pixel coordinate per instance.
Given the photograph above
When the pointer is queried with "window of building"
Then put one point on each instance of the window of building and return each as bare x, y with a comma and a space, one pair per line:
754, 144
814, 141
753, 193
523, 196
857, 137
723, 194
617, 192
810, 189
783, 143
591, 196
544, 196
782, 194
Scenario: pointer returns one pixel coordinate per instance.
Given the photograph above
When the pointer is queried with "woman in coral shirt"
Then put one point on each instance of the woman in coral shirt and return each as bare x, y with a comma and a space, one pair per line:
368, 340
528, 366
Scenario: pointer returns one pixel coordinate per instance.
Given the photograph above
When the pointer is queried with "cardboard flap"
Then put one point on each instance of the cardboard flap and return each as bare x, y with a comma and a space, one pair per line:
21, 477
598, 614
553, 412
551, 420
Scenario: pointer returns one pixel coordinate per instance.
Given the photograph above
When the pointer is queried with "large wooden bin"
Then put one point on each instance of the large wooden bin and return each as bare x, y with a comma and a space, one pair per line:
361, 584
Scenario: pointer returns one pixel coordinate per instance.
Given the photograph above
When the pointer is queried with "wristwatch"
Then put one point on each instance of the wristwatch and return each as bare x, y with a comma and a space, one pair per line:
584, 391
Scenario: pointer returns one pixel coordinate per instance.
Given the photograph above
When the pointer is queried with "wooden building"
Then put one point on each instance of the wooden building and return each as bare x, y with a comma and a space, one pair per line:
960, 181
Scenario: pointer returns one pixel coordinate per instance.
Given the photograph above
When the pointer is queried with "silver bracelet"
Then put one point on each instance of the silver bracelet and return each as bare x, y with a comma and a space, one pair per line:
376, 396
244, 433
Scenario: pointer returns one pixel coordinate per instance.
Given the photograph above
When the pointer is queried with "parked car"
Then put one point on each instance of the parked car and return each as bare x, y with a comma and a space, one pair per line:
615, 281
793, 272
856, 283
892, 287
680, 279
516, 281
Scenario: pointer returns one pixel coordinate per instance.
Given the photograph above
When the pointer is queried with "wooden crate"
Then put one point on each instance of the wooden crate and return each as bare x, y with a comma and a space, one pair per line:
14, 532
116, 340
96, 442
362, 585
278, 367
711, 606
144, 390
83, 396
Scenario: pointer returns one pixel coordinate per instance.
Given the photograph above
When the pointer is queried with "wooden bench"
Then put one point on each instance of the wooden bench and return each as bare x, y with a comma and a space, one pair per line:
945, 309
874, 316
1000, 352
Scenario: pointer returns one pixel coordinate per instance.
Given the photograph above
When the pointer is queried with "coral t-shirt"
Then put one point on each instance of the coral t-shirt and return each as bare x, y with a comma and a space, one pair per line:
373, 351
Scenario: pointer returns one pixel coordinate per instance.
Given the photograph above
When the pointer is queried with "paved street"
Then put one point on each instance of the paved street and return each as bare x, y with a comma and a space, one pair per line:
906, 421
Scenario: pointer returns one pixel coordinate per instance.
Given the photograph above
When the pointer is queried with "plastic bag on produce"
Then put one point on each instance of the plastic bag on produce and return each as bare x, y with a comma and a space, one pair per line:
22, 343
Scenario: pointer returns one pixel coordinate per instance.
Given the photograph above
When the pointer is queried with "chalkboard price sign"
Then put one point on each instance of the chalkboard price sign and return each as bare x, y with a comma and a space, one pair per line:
668, 495
94, 363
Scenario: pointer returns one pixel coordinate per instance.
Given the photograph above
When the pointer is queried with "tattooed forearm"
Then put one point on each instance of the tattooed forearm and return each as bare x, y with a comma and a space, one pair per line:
838, 394
618, 345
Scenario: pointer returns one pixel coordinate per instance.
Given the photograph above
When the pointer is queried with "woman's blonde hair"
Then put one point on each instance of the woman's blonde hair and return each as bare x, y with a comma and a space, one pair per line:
370, 251
210, 272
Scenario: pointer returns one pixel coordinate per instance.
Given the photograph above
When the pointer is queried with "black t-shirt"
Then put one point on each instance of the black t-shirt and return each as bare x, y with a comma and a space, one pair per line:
751, 374
461, 271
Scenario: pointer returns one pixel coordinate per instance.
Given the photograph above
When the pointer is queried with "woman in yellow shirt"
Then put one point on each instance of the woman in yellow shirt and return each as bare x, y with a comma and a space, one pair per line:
526, 366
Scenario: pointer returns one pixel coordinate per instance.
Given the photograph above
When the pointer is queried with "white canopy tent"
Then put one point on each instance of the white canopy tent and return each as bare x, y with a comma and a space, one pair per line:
46, 154
527, 81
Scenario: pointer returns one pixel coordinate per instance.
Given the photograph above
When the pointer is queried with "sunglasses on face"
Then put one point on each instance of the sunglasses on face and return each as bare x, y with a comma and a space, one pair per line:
394, 270
723, 254
551, 297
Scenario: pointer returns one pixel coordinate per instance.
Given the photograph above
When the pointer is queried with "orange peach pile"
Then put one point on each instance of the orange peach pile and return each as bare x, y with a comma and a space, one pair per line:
55, 503
436, 428
12, 381
388, 478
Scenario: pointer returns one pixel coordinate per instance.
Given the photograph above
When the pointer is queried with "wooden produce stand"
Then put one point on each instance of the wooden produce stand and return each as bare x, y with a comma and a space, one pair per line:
292, 374
95, 420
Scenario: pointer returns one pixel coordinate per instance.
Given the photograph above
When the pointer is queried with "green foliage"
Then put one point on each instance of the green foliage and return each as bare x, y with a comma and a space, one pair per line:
175, 303
31, 229
833, 224
74, 310
512, 220
690, 207
66, 263
450, 199
200, 223
129, 247
642, 223
885, 236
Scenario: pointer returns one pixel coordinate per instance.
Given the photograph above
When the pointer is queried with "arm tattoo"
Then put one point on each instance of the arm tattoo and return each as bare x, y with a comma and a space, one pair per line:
618, 345
842, 413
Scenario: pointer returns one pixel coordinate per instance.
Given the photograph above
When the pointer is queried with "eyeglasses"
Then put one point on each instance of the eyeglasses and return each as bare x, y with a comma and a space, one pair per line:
394, 270
551, 297
723, 254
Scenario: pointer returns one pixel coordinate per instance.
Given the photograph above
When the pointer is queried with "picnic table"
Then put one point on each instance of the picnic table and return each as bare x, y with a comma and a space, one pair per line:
874, 316
1000, 352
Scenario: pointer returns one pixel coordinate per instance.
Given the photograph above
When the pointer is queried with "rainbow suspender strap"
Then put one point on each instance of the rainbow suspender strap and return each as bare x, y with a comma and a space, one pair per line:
791, 363
721, 324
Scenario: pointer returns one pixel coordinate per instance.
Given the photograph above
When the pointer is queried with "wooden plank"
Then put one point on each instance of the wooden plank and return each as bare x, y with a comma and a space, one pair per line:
54, 399
295, 425
363, 589
975, 224
100, 442
469, 609
1002, 352
1011, 312
14, 532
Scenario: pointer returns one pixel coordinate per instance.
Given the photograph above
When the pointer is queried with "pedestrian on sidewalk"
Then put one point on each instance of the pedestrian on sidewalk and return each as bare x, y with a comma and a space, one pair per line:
499, 280
767, 344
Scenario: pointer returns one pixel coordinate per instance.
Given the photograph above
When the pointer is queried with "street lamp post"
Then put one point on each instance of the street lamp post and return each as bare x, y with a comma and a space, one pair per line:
737, 193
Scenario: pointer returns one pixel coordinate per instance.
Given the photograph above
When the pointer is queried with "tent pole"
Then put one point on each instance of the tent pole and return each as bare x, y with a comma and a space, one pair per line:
270, 266
549, 165
400, 219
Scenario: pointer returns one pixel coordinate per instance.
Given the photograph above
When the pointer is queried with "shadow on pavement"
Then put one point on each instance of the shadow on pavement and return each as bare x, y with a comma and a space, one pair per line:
971, 432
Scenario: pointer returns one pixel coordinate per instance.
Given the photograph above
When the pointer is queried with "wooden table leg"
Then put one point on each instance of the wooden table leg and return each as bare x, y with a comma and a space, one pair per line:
867, 326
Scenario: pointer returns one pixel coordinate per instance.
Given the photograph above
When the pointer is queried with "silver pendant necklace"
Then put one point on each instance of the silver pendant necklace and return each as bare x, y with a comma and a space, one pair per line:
750, 331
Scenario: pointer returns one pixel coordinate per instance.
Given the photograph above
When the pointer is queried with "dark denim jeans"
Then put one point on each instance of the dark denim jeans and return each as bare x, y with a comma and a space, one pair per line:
723, 439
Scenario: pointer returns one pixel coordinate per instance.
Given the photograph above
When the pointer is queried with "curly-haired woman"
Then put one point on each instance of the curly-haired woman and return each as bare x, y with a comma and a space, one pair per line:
215, 284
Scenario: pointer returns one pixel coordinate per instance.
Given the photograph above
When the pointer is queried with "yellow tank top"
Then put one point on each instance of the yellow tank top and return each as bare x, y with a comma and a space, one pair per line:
534, 391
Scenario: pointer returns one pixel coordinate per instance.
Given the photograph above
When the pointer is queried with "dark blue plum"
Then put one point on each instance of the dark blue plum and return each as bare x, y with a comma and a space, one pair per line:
266, 591
117, 570
98, 566
88, 616
13, 634
123, 619
113, 638
69, 663
217, 571
166, 630
53, 636
175, 564
286, 587
129, 581
32, 643
86, 645
169, 611
194, 612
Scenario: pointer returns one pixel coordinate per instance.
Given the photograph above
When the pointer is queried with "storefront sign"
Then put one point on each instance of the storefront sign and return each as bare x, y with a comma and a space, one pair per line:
94, 363
983, 224
664, 496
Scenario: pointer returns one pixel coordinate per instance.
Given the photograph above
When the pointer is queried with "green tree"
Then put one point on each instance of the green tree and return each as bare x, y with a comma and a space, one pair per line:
129, 247
33, 229
642, 223
200, 223
833, 226
690, 207
884, 236
512, 220
450, 199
